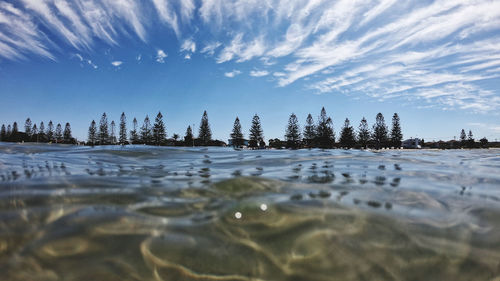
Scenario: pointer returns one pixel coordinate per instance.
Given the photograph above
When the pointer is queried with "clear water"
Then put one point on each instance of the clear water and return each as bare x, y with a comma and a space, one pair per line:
157, 213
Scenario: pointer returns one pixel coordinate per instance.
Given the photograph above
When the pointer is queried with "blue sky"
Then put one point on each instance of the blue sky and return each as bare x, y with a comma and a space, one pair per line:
436, 63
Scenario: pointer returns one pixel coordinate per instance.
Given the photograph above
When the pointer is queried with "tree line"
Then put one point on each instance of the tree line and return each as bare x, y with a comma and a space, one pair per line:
315, 134
34, 133
319, 134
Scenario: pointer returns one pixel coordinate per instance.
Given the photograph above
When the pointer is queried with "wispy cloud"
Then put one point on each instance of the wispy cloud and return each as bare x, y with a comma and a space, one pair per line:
383, 49
233, 73
259, 73
160, 56
117, 63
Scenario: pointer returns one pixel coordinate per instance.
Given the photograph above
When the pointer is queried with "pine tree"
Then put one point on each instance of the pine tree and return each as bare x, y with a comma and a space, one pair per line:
463, 138
123, 129
59, 133
50, 131
396, 135
41, 132
34, 131
15, 130
309, 130
27, 127
325, 135
92, 138
112, 135
146, 134
9, 131
3, 133
188, 138
380, 131
159, 134
256, 133
292, 135
470, 140
134, 136
67, 133
204, 133
103, 129
363, 133
347, 135
237, 135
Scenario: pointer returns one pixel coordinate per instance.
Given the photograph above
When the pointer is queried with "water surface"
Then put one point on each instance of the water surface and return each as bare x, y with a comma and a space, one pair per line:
160, 213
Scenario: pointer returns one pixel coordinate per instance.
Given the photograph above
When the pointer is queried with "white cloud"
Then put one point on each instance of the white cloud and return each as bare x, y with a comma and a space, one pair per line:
210, 48
117, 63
259, 73
160, 56
380, 48
233, 73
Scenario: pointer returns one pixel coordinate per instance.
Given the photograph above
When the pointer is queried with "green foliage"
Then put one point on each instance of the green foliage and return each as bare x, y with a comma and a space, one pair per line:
292, 134
363, 133
103, 129
396, 135
188, 138
159, 132
204, 133
67, 133
146, 133
309, 130
256, 133
134, 136
325, 135
123, 129
27, 127
92, 135
59, 133
237, 135
380, 132
50, 131
347, 139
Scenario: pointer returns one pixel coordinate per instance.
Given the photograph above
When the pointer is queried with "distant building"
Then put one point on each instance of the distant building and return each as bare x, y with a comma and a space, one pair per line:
412, 143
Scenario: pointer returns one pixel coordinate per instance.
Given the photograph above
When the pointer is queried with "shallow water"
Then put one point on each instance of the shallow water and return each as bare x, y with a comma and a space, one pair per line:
158, 213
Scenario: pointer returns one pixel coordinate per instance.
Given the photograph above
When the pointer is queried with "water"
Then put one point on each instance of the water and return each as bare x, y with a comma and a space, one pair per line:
150, 213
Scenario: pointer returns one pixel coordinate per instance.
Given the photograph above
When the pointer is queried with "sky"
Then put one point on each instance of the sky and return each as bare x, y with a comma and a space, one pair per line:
435, 63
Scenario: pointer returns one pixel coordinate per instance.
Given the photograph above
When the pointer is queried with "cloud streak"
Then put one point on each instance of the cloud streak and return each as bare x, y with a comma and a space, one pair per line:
436, 52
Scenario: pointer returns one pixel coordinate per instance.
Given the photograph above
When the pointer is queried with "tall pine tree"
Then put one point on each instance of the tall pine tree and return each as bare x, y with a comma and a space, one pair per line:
292, 134
3, 133
396, 135
27, 127
123, 129
204, 133
237, 135
34, 131
380, 131
112, 135
347, 139
470, 140
50, 131
41, 132
325, 136
59, 133
463, 138
92, 136
188, 138
134, 135
256, 133
146, 134
67, 133
363, 133
159, 134
103, 129
309, 130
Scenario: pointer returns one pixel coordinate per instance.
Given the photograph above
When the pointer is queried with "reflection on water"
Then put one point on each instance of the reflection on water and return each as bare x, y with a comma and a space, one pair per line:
148, 213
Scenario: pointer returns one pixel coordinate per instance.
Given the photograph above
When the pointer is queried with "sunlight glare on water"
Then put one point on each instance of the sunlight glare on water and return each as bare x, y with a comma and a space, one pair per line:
162, 213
